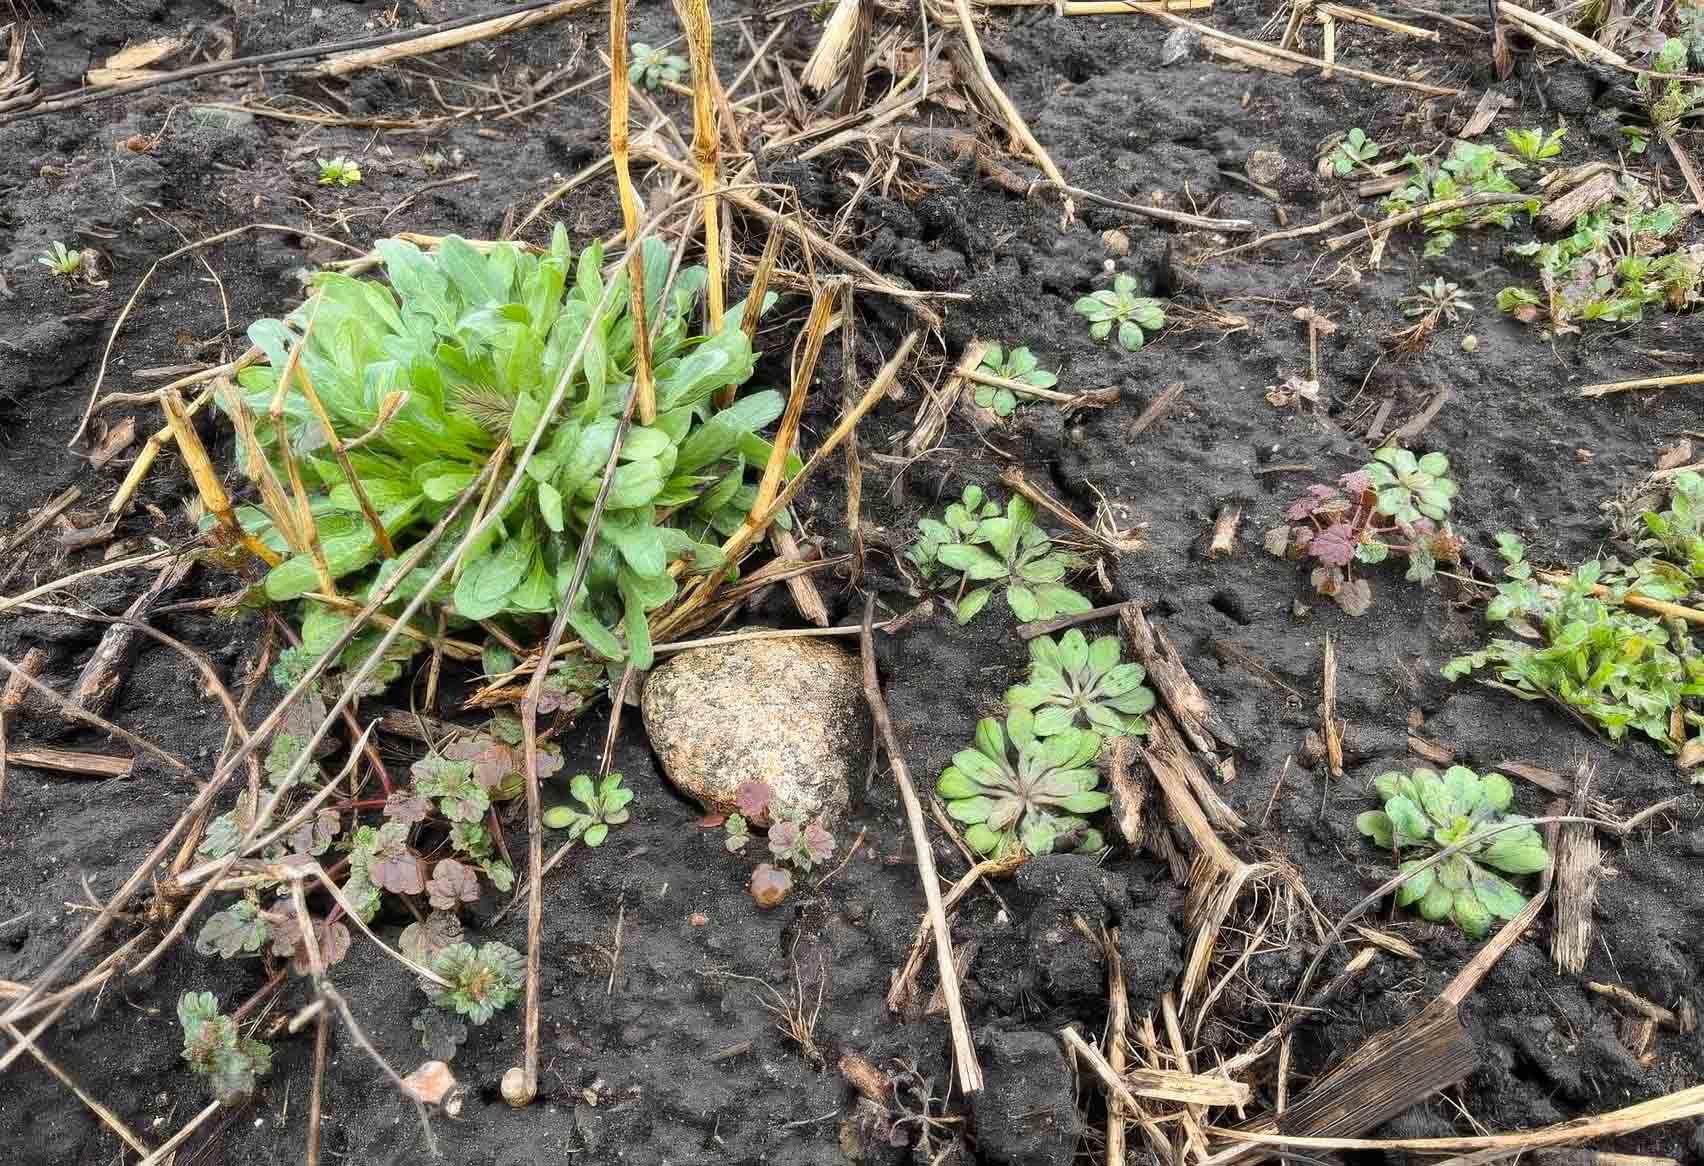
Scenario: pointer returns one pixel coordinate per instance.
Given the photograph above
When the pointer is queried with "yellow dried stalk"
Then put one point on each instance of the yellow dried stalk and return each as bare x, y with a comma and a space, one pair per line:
707, 152
207, 482
303, 515
643, 383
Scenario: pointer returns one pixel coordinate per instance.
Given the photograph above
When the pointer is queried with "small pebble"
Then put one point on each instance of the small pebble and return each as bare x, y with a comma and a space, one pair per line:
1470, 343
769, 885
1117, 243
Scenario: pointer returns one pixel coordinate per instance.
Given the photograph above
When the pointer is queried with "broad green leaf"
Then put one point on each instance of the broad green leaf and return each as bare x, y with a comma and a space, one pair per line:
487, 581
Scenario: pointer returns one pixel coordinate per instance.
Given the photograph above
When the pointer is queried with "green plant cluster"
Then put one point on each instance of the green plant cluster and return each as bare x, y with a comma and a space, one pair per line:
1669, 99
1616, 262
1533, 144
61, 260
1424, 811
1581, 647
1355, 151
652, 67
1001, 551
1470, 169
447, 370
230, 1062
1019, 366
1074, 683
603, 803
338, 171
1137, 318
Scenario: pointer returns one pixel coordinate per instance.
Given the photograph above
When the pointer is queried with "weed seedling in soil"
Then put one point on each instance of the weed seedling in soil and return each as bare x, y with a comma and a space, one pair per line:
1005, 551
1611, 266
1073, 680
448, 369
1396, 504
61, 260
1355, 151
1428, 813
1676, 535
1533, 145
1671, 99
1430, 303
1608, 665
1016, 789
603, 803
1469, 169
338, 171
1019, 366
653, 67
215, 1050
1136, 317
795, 839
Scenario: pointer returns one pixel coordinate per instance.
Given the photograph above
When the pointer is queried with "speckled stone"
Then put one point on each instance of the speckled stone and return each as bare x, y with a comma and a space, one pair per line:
788, 712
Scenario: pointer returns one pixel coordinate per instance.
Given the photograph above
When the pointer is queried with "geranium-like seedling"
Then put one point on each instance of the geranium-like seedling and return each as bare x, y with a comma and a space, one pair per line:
1072, 681
1016, 789
1136, 317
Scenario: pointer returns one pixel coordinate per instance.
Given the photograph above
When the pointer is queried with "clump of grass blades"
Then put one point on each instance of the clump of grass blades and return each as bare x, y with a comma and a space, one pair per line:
427, 380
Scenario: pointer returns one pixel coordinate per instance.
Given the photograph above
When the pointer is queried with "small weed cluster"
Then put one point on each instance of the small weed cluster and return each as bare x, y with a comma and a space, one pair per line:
1470, 169
338, 171
1355, 151
1615, 263
652, 67
1006, 552
1669, 99
1137, 318
1028, 783
230, 1062
1020, 369
1533, 144
1396, 504
1426, 812
796, 839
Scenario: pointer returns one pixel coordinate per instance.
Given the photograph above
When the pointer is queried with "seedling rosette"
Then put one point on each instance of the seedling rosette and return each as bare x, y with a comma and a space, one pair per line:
1002, 551
1426, 811
1073, 680
1136, 317
1015, 789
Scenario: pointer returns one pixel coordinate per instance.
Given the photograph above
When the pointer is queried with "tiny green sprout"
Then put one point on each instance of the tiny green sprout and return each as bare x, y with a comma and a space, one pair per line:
339, 171
1137, 317
1533, 145
230, 1062
1411, 488
1435, 299
1020, 367
479, 982
1074, 680
1031, 801
1425, 811
653, 67
1356, 150
61, 260
605, 805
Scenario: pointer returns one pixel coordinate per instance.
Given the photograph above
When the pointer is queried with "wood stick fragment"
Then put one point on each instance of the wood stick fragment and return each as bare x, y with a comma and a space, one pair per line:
1626, 996
1608, 387
1161, 1084
1117, 1026
75, 762
1579, 866
1333, 728
40, 519
1155, 408
1122, 545
1194, 712
1544, 28
346, 63
98, 683
1129, 795
1373, 20
1301, 59
12, 698
964, 1049
1224, 530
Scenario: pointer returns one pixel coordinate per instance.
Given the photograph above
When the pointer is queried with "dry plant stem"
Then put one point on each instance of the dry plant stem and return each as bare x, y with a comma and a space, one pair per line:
332, 994
1195, 713
1157, 213
1331, 725
71, 712
964, 1050
12, 697
1301, 59
1296, 1017
1117, 1028
40, 519
1373, 20
341, 453
108, 1118
168, 1149
14, 601
1608, 387
904, 987
1386, 225
1487, 956
1046, 627
207, 482
74, 762
99, 681
1015, 478
145, 460
1015, 124
353, 62
707, 153
1155, 407
1544, 28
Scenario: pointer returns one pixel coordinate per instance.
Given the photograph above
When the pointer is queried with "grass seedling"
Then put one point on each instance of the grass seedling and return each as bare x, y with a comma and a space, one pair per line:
1533, 145
1396, 504
1136, 317
1427, 813
230, 1063
1017, 790
1020, 368
1355, 151
61, 260
339, 171
653, 67
1006, 552
1073, 680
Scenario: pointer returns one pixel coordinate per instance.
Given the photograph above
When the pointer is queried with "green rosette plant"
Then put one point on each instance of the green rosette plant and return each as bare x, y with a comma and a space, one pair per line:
430, 378
1016, 789
1136, 317
1428, 812
1072, 680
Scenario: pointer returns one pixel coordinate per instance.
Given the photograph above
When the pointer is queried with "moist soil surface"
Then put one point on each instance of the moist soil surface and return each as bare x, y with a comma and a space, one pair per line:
659, 1040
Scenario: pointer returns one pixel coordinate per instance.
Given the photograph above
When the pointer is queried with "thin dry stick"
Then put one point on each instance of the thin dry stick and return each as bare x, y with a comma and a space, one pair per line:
1386, 225
72, 712
964, 1050
707, 152
40, 519
12, 696
1301, 59
618, 127
346, 63
169, 1147
1608, 387
1117, 1026
108, 1118
207, 481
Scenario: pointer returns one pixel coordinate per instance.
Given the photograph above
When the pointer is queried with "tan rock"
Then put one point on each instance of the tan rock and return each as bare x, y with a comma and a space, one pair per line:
786, 712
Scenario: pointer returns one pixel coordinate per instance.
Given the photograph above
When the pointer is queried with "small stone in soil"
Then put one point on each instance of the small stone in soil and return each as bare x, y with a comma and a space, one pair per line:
769, 886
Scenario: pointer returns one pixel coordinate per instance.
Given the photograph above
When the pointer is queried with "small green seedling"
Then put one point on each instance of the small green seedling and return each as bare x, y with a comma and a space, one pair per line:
1003, 551
339, 171
1436, 299
1017, 790
481, 981
1073, 680
1355, 151
1638, 138
1427, 812
61, 260
1018, 366
230, 1062
604, 805
1136, 317
653, 67
1533, 145
1470, 169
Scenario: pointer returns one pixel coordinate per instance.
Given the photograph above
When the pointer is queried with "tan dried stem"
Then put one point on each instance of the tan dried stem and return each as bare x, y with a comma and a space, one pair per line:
707, 153
206, 478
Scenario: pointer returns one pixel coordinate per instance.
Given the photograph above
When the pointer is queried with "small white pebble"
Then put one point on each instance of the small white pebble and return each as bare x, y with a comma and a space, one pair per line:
1470, 343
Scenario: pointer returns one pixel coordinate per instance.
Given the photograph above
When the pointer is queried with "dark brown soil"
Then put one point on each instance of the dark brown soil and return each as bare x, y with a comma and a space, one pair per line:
641, 1071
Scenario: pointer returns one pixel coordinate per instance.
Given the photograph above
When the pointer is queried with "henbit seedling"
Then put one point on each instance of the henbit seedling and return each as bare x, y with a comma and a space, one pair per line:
1017, 790
61, 260
1427, 812
1018, 366
1008, 551
653, 67
1137, 317
339, 171
1073, 681
230, 1062
1355, 151
1533, 145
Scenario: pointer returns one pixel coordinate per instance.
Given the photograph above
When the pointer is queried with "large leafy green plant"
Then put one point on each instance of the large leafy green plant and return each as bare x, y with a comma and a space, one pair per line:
1015, 788
448, 367
1429, 812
